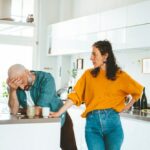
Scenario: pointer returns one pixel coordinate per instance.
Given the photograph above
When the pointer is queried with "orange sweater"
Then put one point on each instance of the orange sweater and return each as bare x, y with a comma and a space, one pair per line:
100, 93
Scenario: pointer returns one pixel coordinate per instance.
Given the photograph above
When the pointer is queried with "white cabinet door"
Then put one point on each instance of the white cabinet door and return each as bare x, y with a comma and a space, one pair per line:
73, 36
88, 24
113, 19
138, 13
136, 134
138, 36
72, 45
79, 126
116, 37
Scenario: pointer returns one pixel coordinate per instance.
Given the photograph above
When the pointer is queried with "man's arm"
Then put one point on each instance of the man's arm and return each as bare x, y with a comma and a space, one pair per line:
13, 101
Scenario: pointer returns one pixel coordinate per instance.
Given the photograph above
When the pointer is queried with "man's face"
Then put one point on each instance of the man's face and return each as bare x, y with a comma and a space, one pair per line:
20, 80
24, 81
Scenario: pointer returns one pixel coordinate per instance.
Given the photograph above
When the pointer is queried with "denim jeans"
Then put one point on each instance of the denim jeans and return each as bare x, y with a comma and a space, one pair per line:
103, 130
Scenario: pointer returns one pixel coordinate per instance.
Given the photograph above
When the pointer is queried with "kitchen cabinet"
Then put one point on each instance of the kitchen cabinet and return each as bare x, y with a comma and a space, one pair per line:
79, 126
136, 134
138, 13
29, 134
113, 19
71, 45
126, 28
138, 36
117, 38
73, 36
74, 27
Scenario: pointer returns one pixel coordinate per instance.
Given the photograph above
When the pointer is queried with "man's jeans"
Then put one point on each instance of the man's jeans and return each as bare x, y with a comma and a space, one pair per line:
103, 130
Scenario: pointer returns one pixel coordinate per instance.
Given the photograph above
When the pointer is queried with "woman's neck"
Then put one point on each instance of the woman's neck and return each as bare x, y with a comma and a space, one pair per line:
103, 66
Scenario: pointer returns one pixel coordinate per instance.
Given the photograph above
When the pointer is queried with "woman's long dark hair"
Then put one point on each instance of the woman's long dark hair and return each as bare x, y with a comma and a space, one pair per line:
111, 67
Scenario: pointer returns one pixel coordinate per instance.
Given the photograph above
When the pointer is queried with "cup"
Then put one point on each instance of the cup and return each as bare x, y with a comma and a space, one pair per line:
45, 112
30, 111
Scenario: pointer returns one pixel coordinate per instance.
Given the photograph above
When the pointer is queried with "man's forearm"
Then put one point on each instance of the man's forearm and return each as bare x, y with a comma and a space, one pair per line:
13, 102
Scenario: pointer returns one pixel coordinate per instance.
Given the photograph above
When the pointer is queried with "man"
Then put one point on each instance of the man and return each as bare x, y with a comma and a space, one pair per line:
40, 87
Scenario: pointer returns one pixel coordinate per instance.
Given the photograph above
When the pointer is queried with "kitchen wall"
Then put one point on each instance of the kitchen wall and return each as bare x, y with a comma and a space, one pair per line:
52, 11
129, 60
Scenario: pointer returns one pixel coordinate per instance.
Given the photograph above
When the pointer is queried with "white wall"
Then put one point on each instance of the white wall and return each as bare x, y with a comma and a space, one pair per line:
131, 61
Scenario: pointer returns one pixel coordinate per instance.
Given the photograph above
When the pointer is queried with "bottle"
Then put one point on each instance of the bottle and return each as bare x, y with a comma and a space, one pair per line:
137, 105
143, 100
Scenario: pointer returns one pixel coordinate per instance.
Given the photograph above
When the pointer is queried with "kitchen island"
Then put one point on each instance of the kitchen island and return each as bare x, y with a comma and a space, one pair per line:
136, 126
19, 132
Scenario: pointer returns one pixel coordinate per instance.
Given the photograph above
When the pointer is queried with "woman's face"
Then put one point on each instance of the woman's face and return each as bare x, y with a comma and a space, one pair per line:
97, 58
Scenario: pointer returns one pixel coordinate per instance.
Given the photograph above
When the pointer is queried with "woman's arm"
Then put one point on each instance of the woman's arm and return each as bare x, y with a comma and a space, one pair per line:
64, 108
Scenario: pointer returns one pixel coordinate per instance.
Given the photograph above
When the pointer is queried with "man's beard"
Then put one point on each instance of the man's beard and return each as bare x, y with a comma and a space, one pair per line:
28, 86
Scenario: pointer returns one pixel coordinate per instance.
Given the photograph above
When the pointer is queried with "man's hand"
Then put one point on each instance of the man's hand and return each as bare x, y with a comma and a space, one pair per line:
14, 83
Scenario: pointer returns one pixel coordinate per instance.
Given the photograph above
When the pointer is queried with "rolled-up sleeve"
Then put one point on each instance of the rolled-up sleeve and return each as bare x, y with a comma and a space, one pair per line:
132, 87
77, 95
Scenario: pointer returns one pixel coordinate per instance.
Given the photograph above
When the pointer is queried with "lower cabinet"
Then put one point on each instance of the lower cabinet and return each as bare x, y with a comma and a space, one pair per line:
79, 126
136, 134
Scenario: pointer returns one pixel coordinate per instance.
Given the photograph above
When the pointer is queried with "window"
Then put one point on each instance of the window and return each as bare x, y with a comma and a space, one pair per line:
20, 9
12, 54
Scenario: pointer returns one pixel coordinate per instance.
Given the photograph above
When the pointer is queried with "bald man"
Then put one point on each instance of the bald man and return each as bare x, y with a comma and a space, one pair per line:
41, 87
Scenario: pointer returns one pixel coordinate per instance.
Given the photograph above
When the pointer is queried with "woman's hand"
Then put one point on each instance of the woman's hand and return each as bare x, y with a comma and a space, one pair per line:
54, 115
128, 105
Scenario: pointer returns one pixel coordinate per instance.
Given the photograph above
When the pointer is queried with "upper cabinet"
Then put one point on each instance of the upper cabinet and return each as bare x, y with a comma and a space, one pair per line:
138, 36
113, 19
73, 36
74, 27
125, 27
138, 13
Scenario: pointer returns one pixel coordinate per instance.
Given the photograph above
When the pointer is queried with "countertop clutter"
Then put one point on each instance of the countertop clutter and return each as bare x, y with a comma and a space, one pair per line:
143, 114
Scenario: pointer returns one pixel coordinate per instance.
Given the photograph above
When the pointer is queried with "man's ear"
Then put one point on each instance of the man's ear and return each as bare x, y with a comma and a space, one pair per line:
27, 71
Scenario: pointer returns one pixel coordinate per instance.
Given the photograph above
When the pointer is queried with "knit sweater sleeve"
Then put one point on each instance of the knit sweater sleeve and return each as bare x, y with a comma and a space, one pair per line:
132, 87
77, 95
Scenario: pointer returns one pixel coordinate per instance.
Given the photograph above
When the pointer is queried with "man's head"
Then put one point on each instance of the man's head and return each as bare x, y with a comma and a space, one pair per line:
19, 75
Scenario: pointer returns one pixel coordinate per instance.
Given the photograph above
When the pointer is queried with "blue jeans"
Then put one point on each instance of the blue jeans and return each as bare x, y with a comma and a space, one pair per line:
103, 130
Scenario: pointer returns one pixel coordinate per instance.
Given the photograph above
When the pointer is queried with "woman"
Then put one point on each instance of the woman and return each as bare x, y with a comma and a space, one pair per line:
103, 90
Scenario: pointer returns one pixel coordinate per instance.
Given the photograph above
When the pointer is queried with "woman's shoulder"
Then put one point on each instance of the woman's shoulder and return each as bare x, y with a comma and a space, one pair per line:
122, 73
88, 71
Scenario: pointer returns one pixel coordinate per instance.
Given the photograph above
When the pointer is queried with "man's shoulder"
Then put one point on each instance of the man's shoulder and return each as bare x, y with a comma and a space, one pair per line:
43, 74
